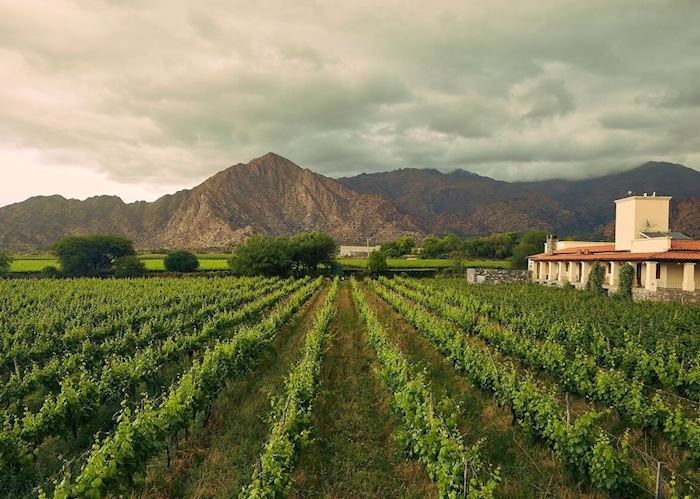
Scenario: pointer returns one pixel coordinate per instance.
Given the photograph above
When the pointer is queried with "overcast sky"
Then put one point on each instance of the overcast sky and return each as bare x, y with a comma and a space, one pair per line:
139, 98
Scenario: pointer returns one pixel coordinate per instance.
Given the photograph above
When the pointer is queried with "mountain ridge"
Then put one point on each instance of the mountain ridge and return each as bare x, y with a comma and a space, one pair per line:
273, 195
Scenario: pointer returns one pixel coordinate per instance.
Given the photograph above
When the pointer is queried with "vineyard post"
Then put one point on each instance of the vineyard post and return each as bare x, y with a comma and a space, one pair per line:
659, 480
284, 413
467, 477
568, 410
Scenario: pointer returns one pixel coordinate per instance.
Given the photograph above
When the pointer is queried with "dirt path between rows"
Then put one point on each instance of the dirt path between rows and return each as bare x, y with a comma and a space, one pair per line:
353, 452
217, 458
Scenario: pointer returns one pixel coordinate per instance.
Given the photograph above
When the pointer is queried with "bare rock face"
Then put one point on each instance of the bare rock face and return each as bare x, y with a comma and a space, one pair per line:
271, 195
685, 216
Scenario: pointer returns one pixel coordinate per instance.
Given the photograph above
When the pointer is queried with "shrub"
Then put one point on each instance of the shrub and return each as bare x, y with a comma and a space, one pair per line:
377, 262
595, 279
625, 278
129, 266
181, 261
50, 272
5, 262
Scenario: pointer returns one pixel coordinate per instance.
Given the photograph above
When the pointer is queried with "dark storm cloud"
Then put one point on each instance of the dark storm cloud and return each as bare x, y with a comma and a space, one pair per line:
163, 94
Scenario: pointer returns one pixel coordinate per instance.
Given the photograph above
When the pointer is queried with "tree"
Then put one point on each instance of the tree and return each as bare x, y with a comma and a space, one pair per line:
377, 262
405, 245
457, 266
402, 246
432, 247
308, 250
531, 243
129, 266
262, 255
5, 262
626, 277
595, 279
91, 255
181, 261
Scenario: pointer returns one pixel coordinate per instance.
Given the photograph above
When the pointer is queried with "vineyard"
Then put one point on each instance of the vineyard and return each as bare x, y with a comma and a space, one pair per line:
267, 387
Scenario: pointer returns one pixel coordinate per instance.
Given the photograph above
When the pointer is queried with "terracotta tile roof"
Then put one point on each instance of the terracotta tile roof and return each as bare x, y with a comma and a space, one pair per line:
685, 245
688, 251
577, 257
688, 256
586, 249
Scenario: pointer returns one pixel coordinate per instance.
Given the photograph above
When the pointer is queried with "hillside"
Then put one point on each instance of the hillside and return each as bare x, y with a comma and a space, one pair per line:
269, 195
466, 203
272, 195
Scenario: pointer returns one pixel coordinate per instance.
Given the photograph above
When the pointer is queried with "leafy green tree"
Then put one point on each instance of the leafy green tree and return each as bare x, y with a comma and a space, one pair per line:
181, 261
402, 246
308, 250
377, 262
531, 243
432, 247
129, 266
262, 255
91, 255
595, 279
5, 262
405, 245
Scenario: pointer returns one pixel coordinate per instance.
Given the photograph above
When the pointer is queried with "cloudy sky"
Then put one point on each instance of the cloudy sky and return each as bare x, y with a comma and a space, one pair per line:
139, 98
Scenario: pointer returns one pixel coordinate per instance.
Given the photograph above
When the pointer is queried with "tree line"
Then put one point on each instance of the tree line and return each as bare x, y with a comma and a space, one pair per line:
506, 246
301, 254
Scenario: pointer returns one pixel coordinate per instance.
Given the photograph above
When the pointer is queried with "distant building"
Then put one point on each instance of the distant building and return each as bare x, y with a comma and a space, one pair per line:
356, 251
662, 260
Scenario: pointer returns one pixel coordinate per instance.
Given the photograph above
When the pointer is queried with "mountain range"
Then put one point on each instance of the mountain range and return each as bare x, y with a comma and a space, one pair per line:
272, 195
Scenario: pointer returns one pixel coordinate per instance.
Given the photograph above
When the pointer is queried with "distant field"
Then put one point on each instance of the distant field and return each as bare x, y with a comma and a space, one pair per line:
218, 261
204, 263
435, 263
30, 264
35, 263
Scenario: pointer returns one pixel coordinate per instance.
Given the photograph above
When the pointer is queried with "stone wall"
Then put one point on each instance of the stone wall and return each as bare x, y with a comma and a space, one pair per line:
497, 276
666, 295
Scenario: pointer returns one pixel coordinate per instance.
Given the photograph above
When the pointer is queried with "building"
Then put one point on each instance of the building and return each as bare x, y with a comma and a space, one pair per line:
665, 263
356, 251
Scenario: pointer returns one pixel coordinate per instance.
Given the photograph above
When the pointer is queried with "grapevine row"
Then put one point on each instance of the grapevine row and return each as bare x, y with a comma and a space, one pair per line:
292, 411
603, 328
580, 445
92, 356
428, 434
78, 400
580, 375
110, 466
40, 337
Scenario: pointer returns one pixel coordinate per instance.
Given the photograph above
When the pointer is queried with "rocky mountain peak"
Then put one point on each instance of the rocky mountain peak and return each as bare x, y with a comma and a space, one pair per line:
272, 195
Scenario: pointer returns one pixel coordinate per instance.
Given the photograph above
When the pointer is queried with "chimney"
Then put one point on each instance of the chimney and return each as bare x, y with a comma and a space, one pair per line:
551, 245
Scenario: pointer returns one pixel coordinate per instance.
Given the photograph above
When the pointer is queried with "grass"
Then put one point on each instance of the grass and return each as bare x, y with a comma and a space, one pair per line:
204, 264
427, 263
219, 261
353, 452
528, 467
216, 458
22, 264
35, 263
